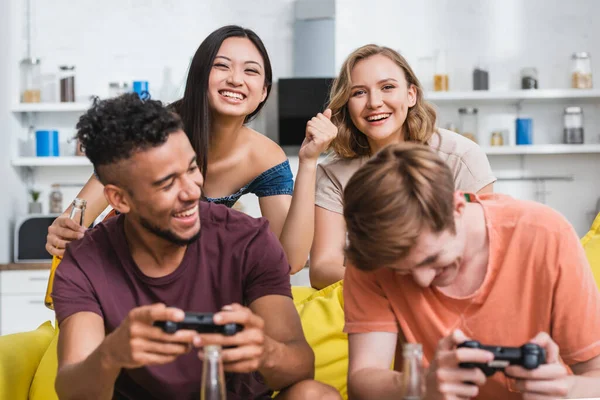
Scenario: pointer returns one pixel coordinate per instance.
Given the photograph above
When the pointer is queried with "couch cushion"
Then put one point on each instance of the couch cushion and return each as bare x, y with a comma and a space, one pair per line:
591, 245
20, 355
42, 387
322, 316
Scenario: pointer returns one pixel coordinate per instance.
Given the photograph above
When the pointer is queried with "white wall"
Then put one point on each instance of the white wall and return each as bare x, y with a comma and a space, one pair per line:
12, 196
506, 35
134, 39
107, 41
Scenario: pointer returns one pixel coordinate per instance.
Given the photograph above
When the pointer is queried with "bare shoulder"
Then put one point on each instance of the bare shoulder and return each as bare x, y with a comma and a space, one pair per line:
264, 152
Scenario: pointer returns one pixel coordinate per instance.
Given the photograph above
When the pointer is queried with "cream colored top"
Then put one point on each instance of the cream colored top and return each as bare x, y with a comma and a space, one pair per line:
467, 161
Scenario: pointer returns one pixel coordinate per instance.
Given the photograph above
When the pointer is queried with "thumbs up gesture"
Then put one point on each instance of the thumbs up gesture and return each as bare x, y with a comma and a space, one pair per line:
320, 131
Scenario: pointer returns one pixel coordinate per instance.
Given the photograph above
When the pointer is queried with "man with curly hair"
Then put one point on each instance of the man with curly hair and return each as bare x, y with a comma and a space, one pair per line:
165, 254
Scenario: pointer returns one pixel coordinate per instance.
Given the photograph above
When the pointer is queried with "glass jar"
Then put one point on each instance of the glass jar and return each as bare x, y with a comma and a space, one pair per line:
67, 83
116, 89
440, 77
497, 138
573, 125
56, 200
31, 80
481, 77
529, 78
468, 122
581, 72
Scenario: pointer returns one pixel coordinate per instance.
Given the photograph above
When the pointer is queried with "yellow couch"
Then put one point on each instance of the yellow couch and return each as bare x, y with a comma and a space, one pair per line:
28, 360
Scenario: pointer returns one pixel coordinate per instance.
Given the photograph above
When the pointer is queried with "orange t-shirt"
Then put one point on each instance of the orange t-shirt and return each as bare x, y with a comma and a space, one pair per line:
538, 279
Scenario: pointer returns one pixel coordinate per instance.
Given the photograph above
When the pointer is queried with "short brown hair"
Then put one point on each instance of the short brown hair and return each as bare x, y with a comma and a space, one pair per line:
350, 142
404, 189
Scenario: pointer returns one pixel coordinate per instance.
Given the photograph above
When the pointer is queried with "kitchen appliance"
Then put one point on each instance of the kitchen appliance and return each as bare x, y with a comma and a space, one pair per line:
299, 99
30, 238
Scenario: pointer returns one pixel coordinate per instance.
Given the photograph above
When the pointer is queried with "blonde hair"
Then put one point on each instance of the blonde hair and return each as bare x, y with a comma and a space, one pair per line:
350, 142
400, 192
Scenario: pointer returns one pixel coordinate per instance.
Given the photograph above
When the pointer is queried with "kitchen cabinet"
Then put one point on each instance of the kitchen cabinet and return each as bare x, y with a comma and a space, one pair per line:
22, 300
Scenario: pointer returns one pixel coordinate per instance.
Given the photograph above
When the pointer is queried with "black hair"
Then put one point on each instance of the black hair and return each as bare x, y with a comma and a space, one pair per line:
193, 107
112, 130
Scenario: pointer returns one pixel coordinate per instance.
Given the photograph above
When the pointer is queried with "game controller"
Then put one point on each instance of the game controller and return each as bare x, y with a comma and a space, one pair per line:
201, 323
529, 356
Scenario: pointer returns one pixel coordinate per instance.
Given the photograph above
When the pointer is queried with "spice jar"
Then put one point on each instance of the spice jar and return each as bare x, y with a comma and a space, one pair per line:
573, 125
67, 84
529, 78
481, 78
116, 89
31, 80
581, 73
56, 200
440, 77
497, 139
468, 122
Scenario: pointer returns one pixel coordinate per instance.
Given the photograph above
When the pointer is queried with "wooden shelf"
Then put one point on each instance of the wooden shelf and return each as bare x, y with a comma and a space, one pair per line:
24, 266
51, 161
543, 149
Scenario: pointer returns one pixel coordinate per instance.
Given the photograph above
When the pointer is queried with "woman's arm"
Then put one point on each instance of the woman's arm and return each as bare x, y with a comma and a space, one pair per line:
63, 230
292, 219
327, 253
298, 219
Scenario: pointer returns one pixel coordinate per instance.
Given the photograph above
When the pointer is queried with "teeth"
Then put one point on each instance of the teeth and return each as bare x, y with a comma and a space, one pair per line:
232, 95
187, 213
378, 117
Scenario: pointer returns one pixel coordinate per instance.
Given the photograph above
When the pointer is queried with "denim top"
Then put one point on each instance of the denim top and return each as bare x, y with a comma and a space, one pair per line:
274, 181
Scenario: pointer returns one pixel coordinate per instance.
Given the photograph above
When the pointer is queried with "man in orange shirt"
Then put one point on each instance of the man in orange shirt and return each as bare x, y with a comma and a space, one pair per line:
434, 266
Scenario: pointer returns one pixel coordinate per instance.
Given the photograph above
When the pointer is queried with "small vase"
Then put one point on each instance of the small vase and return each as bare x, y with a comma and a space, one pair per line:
35, 208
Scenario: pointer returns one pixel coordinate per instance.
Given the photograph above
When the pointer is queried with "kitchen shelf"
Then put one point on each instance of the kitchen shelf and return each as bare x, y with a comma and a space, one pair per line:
51, 161
50, 107
543, 149
514, 96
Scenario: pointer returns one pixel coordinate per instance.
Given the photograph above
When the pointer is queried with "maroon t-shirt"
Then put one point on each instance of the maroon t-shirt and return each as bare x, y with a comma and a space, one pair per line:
235, 259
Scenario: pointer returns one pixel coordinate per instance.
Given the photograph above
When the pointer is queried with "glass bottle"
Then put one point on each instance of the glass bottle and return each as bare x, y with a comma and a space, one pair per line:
77, 214
440, 77
573, 125
581, 73
413, 383
31, 80
468, 122
213, 377
56, 199
67, 84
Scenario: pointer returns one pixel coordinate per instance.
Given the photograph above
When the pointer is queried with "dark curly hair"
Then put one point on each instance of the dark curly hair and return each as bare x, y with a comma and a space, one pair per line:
113, 129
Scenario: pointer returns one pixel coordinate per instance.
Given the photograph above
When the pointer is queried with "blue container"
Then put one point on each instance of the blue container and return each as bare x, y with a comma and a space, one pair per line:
46, 143
524, 131
141, 88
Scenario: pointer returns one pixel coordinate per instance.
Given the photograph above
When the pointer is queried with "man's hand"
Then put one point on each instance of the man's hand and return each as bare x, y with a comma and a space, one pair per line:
548, 381
445, 379
248, 345
136, 343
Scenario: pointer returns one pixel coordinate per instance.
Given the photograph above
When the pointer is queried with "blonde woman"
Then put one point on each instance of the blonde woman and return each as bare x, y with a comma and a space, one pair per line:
375, 101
